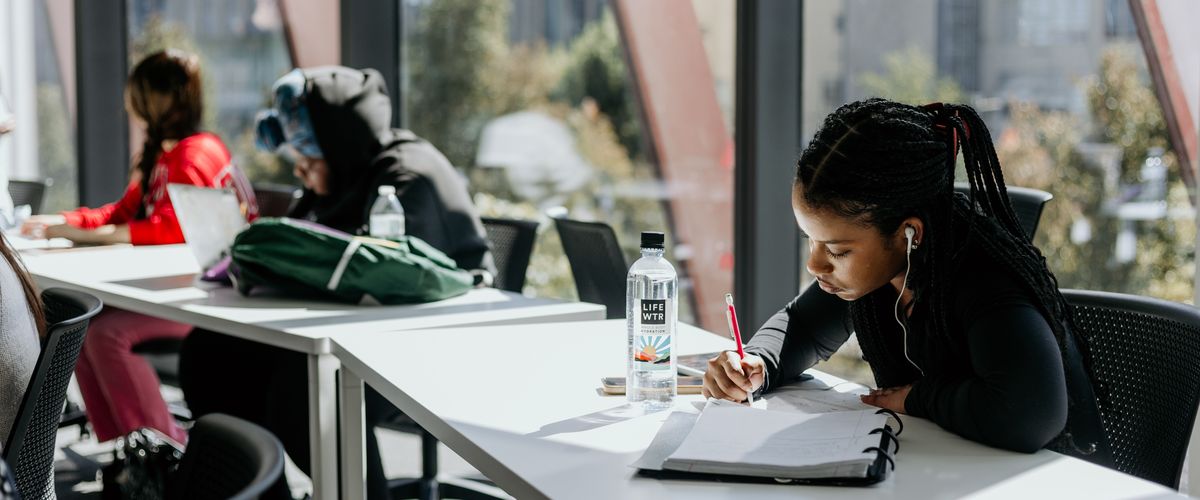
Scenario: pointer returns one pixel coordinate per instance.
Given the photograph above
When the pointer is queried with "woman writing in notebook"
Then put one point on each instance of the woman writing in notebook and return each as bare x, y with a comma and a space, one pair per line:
955, 310
164, 95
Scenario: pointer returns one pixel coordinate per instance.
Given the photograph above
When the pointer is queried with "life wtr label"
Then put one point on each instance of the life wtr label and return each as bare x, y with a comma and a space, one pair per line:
652, 346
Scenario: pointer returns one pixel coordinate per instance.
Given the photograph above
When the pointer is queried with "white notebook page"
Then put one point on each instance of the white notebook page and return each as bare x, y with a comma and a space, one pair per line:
773, 440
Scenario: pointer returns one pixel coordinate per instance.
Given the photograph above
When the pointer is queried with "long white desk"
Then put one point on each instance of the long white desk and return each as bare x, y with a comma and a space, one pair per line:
161, 281
521, 405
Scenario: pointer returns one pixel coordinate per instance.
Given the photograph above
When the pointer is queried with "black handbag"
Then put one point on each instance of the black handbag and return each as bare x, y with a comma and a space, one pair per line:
8, 483
144, 461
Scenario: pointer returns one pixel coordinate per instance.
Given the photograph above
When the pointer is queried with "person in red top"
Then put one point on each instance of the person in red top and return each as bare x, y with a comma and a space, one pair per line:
200, 160
164, 95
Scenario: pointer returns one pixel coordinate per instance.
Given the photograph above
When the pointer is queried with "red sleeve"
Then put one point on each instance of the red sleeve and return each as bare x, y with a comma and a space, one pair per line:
196, 161
157, 229
118, 212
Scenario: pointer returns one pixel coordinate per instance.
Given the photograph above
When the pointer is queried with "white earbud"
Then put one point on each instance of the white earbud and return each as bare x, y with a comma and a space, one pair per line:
909, 233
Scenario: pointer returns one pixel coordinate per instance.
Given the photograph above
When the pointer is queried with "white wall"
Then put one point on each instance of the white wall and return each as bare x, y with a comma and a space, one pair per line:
18, 84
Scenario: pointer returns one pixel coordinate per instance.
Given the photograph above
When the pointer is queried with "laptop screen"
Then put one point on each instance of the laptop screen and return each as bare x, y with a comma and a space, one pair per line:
210, 219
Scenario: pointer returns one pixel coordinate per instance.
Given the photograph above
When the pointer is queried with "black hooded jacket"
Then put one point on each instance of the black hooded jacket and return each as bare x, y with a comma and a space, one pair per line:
351, 116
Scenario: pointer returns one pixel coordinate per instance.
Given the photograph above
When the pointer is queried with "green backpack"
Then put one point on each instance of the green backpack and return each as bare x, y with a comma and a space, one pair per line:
290, 253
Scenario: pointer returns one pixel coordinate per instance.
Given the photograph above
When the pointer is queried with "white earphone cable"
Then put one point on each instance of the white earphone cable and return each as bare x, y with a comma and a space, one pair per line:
896, 307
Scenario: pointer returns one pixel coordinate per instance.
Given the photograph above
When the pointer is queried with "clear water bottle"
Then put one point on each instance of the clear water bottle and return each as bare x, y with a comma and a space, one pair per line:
1153, 177
387, 216
650, 314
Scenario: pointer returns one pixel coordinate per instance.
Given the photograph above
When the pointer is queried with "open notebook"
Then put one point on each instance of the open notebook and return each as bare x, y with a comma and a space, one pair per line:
748, 444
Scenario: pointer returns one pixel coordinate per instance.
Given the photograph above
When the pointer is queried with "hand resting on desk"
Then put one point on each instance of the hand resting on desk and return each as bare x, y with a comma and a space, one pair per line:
103, 235
731, 378
891, 398
35, 226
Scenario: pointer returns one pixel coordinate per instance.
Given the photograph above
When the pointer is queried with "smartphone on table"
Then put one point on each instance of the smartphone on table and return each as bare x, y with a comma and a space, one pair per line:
684, 385
694, 365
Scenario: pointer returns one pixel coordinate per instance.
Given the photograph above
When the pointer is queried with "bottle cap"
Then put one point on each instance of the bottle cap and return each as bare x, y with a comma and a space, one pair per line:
387, 189
652, 239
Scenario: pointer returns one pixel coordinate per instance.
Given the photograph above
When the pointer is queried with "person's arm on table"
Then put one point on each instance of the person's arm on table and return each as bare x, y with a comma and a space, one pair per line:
811, 328
103, 235
1016, 400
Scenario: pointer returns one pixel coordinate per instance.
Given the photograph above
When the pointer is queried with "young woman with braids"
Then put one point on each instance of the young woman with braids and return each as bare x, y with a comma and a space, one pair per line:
956, 312
164, 95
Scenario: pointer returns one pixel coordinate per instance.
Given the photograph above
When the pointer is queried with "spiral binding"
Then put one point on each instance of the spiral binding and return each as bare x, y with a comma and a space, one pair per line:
885, 454
887, 432
894, 417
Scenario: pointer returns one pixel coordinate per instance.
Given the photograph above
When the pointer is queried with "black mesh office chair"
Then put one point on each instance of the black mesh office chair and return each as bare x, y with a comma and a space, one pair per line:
1146, 360
597, 263
274, 200
31, 193
29, 447
1027, 203
512, 245
226, 457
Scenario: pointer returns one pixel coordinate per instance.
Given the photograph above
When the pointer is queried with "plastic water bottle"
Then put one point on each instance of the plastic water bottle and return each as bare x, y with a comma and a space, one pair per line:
387, 216
650, 314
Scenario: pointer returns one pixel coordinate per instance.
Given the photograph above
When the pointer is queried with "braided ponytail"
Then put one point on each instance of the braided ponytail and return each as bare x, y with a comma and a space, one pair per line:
165, 91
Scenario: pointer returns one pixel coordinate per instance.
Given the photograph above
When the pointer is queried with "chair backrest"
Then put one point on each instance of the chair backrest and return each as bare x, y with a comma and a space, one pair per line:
1027, 203
597, 263
30, 193
1145, 356
227, 457
512, 245
274, 200
29, 448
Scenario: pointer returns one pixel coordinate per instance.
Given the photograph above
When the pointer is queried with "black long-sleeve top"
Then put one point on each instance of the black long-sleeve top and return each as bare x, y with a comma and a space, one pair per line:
1001, 380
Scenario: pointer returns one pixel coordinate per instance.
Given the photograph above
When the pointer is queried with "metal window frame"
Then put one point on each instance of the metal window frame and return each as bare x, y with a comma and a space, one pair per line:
103, 136
370, 38
767, 249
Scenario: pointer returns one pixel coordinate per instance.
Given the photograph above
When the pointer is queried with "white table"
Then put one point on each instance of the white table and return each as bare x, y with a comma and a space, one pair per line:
536, 425
161, 281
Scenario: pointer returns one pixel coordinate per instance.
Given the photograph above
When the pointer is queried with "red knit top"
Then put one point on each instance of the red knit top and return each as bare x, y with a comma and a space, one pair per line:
199, 160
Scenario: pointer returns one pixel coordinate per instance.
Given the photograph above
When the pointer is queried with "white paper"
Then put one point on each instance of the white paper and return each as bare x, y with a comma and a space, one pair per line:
815, 398
743, 440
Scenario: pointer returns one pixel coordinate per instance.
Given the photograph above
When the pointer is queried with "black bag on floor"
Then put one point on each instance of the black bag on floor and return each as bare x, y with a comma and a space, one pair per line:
8, 483
144, 460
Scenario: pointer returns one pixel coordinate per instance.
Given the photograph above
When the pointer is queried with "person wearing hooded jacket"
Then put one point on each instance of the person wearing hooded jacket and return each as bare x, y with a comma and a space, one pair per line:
334, 124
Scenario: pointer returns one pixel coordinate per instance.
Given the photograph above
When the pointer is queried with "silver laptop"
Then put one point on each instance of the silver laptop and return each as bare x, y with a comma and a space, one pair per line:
210, 218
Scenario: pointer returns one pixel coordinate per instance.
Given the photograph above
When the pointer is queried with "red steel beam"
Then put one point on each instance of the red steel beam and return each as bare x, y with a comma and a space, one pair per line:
688, 139
1168, 85
313, 31
61, 16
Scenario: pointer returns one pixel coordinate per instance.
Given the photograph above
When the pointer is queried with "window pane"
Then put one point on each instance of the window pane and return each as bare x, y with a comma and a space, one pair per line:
1069, 101
536, 102
56, 131
242, 52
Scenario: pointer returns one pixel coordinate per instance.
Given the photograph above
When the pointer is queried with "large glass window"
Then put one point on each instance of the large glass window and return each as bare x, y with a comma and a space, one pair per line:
1065, 90
56, 164
538, 104
242, 50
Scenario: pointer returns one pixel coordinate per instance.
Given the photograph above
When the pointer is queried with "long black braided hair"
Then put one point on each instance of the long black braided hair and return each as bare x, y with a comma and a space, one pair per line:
879, 162
166, 92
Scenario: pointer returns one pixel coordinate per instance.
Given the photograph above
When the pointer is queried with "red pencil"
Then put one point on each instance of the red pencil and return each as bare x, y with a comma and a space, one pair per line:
733, 325
731, 316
